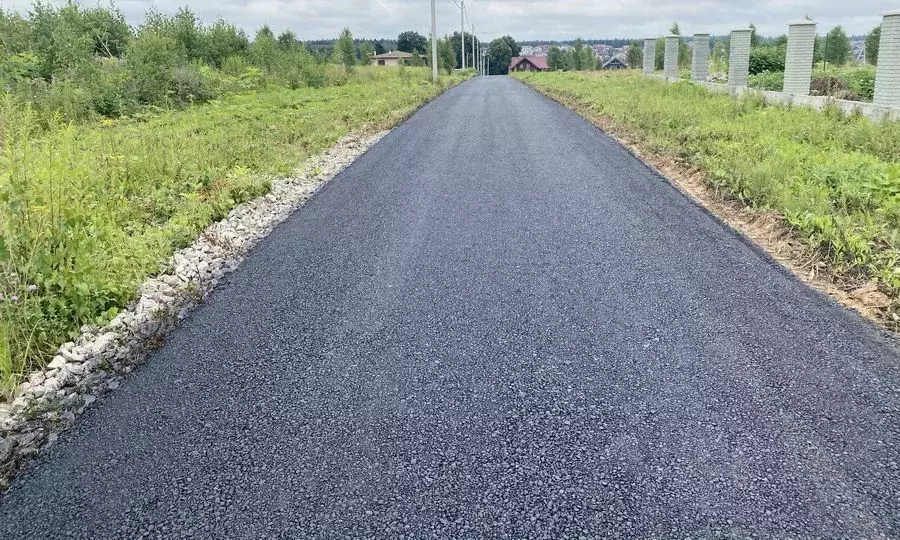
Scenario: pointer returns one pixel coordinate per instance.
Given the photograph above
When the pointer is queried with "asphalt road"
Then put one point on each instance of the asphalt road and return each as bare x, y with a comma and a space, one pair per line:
496, 323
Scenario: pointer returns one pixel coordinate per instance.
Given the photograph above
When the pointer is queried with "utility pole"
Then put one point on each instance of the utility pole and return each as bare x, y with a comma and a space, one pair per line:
434, 45
462, 32
473, 47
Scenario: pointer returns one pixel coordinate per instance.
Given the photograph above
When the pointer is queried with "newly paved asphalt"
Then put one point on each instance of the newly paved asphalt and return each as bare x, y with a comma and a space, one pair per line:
497, 323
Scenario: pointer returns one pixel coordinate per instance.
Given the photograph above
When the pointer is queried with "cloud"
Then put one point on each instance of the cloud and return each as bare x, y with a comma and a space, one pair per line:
522, 19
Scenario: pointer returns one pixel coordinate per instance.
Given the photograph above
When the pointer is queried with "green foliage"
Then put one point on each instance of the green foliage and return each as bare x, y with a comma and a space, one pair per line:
635, 55
767, 58
767, 80
221, 41
873, 41
264, 51
287, 41
834, 179
88, 212
86, 61
446, 55
467, 48
411, 42
501, 51
557, 60
851, 81
581, 57
346, 50
837, 47
152, 57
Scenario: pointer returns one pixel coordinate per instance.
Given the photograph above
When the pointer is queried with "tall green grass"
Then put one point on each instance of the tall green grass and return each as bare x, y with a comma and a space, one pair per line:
834, 179
87, 212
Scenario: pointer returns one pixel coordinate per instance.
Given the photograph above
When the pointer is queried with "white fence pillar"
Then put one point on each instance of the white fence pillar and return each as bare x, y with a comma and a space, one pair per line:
739, 58
887, 74
649, 56
798, 64
700, 59
670, 65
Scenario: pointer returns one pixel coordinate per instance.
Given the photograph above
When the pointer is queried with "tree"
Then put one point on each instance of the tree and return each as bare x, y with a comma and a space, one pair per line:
873, 40
501, 51
557, 60
346, 50
635, 55
412, 42
15, 33
454, 38
754, 36
837, 47
109, 29
221, 41
581, 57
263, 51
675, 30
446, 56
287, 41
366, 51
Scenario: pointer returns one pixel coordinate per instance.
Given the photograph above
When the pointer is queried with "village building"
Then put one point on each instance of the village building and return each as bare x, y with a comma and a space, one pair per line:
528, 63
392, 58
616, 62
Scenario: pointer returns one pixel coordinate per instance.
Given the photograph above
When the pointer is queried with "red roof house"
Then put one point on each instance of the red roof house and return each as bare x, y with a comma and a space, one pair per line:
528, 63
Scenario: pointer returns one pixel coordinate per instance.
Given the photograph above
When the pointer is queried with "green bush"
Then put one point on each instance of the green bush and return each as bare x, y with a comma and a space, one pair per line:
151, 60
107, 82
861, 81
189, 85
767, 58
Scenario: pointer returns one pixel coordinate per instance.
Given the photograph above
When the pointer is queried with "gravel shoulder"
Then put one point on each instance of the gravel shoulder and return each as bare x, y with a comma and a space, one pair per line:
497, 322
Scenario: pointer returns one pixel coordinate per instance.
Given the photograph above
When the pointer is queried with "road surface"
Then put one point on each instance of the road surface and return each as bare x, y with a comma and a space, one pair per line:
496, 323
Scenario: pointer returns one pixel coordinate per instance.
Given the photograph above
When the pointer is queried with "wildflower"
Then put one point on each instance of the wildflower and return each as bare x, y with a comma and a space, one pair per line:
14, 298
2, 298
32, 288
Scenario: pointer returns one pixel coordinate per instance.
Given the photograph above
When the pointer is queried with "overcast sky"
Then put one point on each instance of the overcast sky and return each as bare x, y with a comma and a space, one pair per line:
522, 19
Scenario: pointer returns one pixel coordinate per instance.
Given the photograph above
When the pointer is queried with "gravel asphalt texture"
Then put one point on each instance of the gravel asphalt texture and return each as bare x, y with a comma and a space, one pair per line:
496, 323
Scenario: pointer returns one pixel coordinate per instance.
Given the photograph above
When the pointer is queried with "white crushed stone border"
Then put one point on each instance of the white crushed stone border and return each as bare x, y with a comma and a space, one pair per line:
48, 402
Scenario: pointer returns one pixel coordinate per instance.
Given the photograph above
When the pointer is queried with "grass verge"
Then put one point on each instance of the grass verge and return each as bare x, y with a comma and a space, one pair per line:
832, 181
90, 211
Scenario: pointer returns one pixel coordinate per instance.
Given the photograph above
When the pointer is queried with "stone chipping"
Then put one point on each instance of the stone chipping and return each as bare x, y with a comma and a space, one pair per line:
50, 400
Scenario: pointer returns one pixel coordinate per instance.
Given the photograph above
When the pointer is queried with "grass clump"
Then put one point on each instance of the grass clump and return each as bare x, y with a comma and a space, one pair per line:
834, 179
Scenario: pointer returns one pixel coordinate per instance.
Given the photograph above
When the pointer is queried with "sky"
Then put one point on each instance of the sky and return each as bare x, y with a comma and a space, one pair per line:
522, 19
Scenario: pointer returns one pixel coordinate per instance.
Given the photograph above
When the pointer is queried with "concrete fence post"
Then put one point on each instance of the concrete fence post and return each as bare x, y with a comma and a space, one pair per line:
649, 56
887, 73
798, 64
670, 65
739, 58
700, 59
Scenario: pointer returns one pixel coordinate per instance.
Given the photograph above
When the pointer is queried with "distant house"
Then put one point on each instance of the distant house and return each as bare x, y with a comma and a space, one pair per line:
528, 63
392, 58
616, 62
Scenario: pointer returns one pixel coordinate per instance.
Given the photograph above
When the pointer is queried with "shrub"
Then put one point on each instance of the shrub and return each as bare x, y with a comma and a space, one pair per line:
189, 86
151, 59
767, 58
860, 81
107, 82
